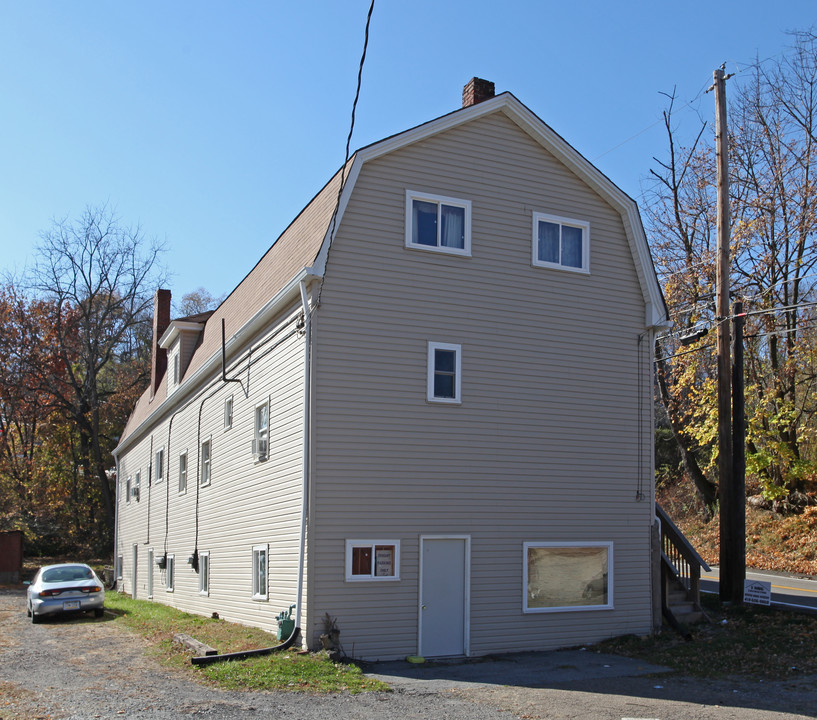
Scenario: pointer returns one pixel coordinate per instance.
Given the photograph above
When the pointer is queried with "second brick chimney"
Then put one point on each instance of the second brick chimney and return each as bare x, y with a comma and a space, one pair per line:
476, 91
161, 319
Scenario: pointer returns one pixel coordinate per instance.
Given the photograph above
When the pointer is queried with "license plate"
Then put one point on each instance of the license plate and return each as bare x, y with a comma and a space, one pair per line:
70, 605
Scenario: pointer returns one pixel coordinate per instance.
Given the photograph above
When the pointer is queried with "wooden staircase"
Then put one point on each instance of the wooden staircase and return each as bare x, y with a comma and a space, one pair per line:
680, 576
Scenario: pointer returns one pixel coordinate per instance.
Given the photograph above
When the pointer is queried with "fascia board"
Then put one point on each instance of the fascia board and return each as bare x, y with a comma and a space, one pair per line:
175, 327
181, 397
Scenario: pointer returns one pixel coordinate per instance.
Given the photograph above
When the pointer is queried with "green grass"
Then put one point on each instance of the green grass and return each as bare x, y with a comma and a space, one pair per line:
288, 670
746, 641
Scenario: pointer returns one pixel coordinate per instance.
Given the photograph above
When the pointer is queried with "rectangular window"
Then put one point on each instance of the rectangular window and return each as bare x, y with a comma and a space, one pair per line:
561, 243
137, 481
434, 222
150, 573
259, 572
176, 362
444, 370
260, 445
119, 563
228, 413
372, 560
205, 462
159, 474
204, 573
183, 472
128, 490
568, 576
170, 573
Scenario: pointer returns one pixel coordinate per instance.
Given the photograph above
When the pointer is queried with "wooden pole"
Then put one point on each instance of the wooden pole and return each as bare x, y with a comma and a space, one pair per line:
738, 500
728, 591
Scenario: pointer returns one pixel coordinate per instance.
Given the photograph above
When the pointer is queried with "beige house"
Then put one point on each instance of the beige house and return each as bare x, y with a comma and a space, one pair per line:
429, 415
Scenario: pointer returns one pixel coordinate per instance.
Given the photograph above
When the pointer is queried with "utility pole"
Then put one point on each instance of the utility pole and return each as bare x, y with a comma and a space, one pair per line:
731, 577
738, 499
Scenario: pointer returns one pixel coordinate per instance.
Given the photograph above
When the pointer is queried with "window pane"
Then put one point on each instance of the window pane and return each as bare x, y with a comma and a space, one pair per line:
571, 246
548, 242
444, 361
424, 223
261, 418
445, 373
384, 560
361, 561
567, 576
453, 227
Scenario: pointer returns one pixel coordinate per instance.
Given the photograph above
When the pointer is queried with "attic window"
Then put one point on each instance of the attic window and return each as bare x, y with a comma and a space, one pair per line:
438, 223
561, 243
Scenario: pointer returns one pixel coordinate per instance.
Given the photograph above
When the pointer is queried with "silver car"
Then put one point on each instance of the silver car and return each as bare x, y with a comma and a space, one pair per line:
67, 588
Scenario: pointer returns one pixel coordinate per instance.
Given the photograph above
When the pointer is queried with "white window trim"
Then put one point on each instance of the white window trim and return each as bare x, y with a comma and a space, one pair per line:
350, 544
567, 608
170, 574
209, 442
585, 227
257, 455
412, 195
202, 556
457, 399
159, 474
229, 408
137, 485
256, 595
183, 491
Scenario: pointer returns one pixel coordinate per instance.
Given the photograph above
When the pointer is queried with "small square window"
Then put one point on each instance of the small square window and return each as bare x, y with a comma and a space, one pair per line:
206, 462
444, 371
170, 573
259, 572
561, 243
159, 474
183, 473
228, 413
372, 560
204, 573
434, 222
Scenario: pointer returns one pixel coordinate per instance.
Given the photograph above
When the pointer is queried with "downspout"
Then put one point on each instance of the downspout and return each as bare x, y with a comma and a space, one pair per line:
307, 430
116, 526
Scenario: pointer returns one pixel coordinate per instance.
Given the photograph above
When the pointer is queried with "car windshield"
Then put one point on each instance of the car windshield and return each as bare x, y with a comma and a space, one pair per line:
67, 574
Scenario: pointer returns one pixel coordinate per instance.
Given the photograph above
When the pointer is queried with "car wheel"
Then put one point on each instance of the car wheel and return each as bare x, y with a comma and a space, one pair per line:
35, 618
28, 610
99, 612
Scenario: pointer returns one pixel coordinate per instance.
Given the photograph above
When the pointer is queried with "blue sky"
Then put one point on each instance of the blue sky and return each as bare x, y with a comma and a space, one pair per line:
211, 124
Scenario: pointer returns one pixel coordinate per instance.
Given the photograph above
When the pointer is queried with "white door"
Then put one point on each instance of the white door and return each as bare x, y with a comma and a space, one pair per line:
444, 596
150, 573
134, 566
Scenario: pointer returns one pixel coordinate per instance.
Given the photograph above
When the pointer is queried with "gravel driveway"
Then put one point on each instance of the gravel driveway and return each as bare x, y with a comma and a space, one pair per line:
87, 668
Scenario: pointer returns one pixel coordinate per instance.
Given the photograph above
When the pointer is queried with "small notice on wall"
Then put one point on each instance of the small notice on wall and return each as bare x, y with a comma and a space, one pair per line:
384, 561
757, 592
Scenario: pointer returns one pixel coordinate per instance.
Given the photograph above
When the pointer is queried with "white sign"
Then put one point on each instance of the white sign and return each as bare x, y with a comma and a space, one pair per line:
757, 592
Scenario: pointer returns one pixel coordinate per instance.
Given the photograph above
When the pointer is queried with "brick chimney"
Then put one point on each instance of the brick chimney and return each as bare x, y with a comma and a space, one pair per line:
161, 320
476, 91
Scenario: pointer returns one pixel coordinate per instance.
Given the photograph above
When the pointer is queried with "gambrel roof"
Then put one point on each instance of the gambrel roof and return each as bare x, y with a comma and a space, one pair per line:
302, 249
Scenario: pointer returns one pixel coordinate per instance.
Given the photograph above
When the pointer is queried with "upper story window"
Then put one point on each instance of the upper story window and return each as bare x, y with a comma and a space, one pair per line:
205, 470
444, 373
183, 473
159, 472
137, 481
434, 222
176, 362
128, 490
260, 444
228, 413
561, 243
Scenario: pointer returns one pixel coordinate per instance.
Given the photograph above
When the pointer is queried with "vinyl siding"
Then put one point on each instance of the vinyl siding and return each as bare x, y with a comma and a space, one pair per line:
545, 445
247, 503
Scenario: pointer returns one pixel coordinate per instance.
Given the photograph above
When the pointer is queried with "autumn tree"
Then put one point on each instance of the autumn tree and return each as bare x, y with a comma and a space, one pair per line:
95, 277
773, 159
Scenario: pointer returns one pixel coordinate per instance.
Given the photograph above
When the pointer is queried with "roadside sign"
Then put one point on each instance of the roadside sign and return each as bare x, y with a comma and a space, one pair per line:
757, 592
